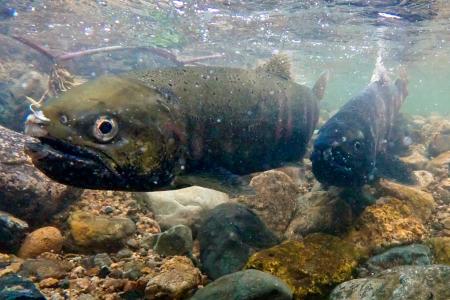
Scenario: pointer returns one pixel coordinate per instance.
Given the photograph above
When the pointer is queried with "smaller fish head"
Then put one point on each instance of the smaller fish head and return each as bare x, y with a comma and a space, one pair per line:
105, 134
343, 155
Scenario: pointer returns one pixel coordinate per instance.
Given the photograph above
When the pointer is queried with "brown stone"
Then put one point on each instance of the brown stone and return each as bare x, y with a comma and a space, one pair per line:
275, 200
441, 249
416, 160
422, 203
25, 192
388, 222
319, 211
48, 283
45, 239
440, 161
95, 233
178, 280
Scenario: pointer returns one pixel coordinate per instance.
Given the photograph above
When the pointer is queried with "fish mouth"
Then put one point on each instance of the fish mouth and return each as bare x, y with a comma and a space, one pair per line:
72, 165
331, 167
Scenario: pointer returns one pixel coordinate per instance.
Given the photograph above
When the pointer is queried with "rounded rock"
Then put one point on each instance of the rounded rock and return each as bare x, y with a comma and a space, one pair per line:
245, 285
45, 239
175, 241
97, 233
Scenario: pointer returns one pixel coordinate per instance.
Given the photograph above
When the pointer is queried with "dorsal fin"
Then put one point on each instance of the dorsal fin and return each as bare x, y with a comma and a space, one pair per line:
279, 65
320, 85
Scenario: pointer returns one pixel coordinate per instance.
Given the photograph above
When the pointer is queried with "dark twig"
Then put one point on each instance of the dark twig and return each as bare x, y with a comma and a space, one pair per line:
68, 56
36, 47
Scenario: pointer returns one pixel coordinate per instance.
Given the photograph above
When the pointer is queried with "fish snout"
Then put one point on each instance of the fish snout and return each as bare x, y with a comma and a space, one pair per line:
35, 124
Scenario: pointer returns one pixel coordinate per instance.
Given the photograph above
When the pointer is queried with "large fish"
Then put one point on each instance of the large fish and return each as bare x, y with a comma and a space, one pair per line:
139, 130
352, 146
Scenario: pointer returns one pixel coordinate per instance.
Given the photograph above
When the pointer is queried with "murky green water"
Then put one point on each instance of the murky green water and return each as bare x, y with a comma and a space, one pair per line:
342, 36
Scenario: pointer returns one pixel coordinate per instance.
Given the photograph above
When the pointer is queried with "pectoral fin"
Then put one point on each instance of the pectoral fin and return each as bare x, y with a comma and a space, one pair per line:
391, 167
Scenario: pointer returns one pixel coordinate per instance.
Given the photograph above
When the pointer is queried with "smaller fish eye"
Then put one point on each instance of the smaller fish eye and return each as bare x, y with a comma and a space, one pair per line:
357, 145
63, 119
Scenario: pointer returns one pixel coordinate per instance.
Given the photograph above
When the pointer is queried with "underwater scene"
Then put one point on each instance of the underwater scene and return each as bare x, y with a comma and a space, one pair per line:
225, 150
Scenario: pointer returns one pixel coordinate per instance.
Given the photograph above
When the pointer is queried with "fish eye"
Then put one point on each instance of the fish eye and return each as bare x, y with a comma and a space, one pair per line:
357, 145
105, 129
63, 119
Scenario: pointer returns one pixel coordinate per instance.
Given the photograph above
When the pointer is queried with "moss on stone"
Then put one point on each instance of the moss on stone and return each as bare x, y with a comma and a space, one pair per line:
441, 249
311, 267
389, 222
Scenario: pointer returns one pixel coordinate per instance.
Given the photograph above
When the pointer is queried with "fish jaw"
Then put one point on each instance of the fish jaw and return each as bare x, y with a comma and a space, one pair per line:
72, 165
329, 167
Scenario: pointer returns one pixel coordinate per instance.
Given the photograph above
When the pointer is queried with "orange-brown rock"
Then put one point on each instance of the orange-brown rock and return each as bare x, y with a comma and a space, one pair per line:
45, 239
388, 222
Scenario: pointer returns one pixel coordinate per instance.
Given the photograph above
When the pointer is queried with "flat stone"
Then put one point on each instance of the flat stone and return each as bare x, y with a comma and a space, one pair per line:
245, 285
25, 192
45, 239
403, 282
12, 232
415, 254
228, 236
184, 206
178, 279
44, 268
99, 233
175, 241
13, 287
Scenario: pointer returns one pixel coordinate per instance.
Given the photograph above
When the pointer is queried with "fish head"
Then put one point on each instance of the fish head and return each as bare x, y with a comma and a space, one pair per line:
110, 133
343, 154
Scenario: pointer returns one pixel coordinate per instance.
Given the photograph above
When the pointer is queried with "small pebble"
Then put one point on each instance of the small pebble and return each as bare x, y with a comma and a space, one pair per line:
108, 209
48, 282
124, 253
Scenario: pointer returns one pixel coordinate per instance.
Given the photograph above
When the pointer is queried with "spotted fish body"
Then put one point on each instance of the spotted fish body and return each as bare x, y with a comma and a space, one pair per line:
174, 121
350, 143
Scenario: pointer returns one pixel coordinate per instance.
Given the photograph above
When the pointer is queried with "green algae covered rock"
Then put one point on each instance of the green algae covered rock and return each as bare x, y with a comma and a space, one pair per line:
311, 267
441, 249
